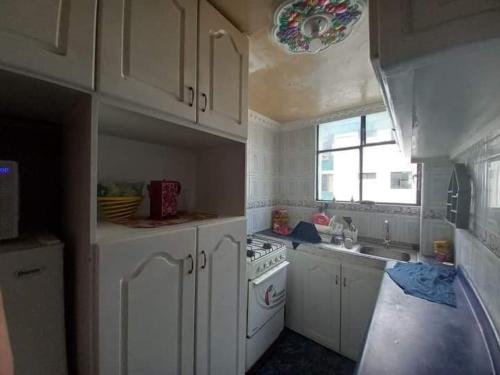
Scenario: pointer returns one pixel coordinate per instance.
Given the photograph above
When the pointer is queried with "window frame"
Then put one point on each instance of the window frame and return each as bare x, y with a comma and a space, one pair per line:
360, 147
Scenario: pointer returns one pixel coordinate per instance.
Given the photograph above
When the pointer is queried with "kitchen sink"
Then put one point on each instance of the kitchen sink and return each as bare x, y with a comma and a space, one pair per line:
385, 253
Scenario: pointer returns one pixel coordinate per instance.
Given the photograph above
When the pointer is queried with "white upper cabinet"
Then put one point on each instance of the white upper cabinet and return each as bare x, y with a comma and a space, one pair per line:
223, 73
360, 286
437, 62
53, 39
221, 296
146, 299
147, 53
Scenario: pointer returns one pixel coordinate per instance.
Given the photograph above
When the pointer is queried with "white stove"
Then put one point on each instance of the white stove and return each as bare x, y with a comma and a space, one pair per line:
263, 254
266, 271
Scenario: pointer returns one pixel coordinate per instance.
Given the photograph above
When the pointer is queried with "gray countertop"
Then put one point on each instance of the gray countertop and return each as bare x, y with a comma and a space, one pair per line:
409, 335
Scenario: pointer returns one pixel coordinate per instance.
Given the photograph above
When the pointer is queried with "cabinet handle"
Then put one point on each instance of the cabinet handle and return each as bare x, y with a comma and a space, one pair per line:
336, 279
190, 257
345, 282
191, 92
205, 102
204, 260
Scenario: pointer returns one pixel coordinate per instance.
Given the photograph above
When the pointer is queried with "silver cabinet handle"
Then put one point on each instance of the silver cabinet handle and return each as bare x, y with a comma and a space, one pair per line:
191, 93
204, 260
345, 282
205, 102
336, 279
190, 257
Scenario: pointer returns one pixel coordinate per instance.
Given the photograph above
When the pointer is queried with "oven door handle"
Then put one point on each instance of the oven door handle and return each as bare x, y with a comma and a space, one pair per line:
271, 272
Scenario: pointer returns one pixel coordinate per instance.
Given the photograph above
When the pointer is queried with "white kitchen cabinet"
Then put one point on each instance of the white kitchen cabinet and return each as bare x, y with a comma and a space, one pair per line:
221, 296
147, 53
437, 64
360, 286
223, 73
146, 304
53, 39
331, 301
322, 301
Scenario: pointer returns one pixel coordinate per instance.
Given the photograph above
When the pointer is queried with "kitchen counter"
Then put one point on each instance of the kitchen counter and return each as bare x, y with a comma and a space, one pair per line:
409, 335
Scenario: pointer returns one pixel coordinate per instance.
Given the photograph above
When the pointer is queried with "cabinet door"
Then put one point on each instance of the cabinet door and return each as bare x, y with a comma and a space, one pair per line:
223, 73
221, 296
321, 311
147, 53
54, 39
146, 296
360, 286
294, 291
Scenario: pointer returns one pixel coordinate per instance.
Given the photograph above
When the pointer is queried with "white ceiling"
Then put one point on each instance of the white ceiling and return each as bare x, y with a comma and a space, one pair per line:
289, 87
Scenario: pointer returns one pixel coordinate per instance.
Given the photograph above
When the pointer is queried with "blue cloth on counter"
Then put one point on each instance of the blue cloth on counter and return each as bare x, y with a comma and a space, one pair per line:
433, 282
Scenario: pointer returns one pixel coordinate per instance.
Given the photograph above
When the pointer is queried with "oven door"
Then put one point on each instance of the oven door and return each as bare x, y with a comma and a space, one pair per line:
266, 296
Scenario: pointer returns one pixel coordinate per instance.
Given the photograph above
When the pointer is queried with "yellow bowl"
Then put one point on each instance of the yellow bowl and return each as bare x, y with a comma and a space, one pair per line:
118, 209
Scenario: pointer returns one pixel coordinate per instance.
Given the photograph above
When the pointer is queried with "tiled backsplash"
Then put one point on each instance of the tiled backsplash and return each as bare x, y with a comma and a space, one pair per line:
483, 164
478, 249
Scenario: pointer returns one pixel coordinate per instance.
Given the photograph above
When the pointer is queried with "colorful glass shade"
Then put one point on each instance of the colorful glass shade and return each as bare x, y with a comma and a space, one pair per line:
310, 26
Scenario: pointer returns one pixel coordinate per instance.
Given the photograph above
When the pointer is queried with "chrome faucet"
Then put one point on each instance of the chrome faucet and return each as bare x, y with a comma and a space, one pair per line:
387, 239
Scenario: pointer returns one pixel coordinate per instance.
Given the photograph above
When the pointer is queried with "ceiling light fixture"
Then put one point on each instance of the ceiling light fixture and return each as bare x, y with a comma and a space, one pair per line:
310, 26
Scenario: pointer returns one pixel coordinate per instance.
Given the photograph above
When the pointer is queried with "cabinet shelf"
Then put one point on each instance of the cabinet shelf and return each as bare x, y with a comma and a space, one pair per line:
459, 195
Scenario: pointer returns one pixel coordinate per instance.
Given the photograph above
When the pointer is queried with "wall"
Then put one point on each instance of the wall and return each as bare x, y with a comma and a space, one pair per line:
478, 249
262, 171
297, 191
281, 170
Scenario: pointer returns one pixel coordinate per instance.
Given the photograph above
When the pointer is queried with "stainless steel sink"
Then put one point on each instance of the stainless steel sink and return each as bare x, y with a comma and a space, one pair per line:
385, 253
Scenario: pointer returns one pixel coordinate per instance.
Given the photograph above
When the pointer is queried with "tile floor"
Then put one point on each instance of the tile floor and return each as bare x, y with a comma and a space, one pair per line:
293, 354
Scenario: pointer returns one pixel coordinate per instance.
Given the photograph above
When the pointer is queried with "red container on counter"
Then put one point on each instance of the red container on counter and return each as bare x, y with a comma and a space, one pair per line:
163, 198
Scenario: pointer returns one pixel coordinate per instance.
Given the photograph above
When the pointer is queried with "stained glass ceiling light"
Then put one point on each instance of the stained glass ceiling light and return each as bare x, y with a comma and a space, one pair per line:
310, 26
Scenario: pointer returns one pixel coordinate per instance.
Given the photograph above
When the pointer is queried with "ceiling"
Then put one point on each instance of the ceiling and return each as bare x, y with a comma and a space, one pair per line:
289, 87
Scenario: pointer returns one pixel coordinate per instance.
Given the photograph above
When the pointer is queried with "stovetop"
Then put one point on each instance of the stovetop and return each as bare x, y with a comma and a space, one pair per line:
258, 247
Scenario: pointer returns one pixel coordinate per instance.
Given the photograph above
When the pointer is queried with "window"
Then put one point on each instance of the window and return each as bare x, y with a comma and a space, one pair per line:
358, 159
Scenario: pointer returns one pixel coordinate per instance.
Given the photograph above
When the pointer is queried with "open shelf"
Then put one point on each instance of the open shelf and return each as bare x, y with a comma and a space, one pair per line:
134, 147
459, 196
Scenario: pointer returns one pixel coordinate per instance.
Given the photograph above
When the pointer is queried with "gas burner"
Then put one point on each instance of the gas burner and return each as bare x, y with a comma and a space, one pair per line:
258, 247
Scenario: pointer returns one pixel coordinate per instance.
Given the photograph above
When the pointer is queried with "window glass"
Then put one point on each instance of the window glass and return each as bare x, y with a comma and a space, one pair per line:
388, 176
339, 134
338, 175
379, 128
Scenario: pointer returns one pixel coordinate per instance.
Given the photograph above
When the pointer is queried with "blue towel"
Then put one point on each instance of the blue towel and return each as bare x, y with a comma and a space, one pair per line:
433, 282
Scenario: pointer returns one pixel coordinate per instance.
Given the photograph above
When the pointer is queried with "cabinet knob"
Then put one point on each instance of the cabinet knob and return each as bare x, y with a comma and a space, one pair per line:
191, 96
205, 102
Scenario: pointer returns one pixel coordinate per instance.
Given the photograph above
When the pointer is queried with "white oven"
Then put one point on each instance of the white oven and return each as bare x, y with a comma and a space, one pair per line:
266, 297
266, 273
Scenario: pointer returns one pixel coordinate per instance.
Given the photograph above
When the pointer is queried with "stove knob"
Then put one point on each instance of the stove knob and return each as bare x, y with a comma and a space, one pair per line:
276, 260
258, 269
282, 256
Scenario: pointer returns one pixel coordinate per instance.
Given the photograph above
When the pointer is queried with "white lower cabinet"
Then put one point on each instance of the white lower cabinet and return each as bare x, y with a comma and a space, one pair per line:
360, 286
146, 302
321, 299
221, 295
173, 303
331, 302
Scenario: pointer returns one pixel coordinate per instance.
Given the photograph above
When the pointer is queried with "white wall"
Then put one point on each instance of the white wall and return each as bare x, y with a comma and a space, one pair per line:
262, 171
